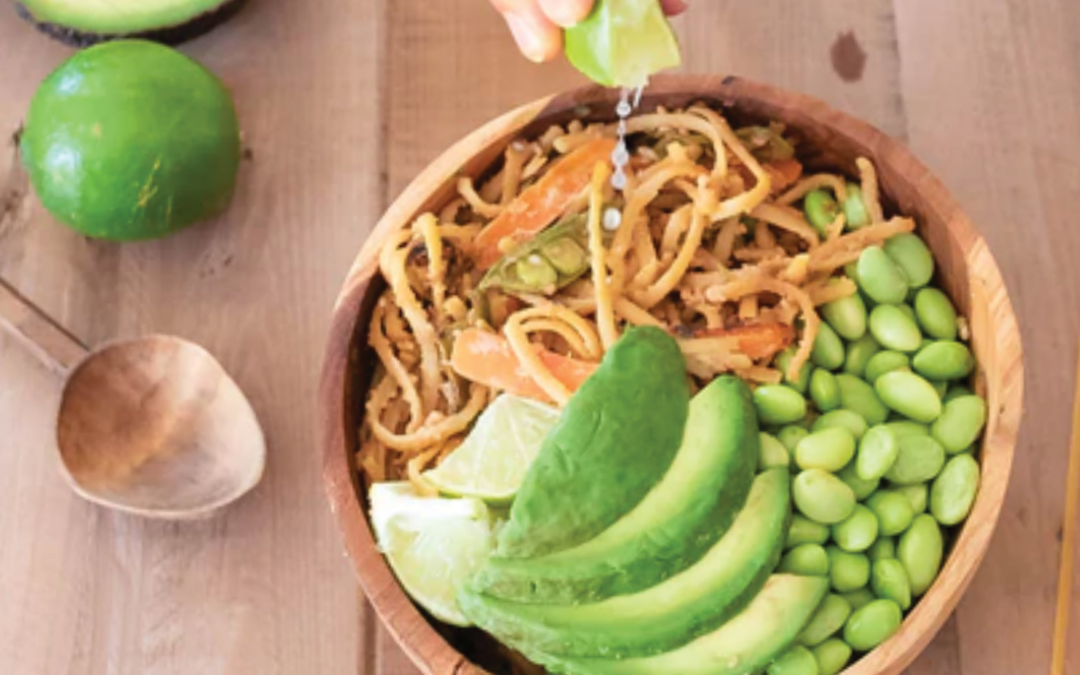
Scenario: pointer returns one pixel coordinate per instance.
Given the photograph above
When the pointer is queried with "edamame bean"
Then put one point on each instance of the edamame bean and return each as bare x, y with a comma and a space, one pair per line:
944, 360
857, 532
824, 391
894, 511
828, 351
908, 311
883, 362
797, 660
805, 531
847, 571
862, 488
936, 314
783, 360
858, 598
792, 434
940, 386
912, 255
889, 580
956, 391
851, 271
830, 617
904, 428
808, 560
894, 330
884, 547
880, 277
917, 495
772, 454
859, 353
832, 656
821, 210
961, 422
953, 493
779, 404
872, 625
844, 419
878, 451
921, 458
829, 449
909, 395
822, 497
921, 550
847, 316
860, 397
855, 212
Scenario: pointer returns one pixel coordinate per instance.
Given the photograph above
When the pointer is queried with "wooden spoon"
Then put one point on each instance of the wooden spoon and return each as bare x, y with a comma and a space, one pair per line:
152, 426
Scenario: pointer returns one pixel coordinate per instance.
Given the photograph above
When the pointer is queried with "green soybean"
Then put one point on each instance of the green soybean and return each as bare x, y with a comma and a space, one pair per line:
894, 511
873, 624
779, 404
944, 360
859, 353
904, 428
859, 397
859, 597
847, 316
921, 458
892, 328
890, 581
857, 532
797, 660
940, 386
913, 256
829, 449
855, 212
884, 547
908, 311
883, 362
954, 490
862, 488
847, 571
918, 496
956, 391
828, 351
805, 531
961, 422
921, 549
790, 436
936, 314
773, 453
808, 560
783, 360
880, 277
910, 395
846, 419
830, 617
821, 210
832, 656
824, 391
822, 497
878, 450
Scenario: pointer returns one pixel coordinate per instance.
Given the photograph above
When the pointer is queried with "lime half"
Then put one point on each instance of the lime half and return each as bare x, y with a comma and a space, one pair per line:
433, 544
492, 461
622, 42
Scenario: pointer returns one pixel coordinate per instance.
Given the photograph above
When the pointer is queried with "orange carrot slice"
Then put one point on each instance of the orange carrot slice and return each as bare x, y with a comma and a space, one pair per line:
784, 173
544, 201
758, 341
486, 358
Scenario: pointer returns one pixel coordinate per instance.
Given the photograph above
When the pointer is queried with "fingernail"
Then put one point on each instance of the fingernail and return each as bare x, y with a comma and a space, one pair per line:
564, 13
528, 39
674, 7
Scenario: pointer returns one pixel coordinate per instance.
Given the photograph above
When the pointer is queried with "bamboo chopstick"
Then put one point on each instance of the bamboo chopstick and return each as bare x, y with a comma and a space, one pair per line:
1068, 544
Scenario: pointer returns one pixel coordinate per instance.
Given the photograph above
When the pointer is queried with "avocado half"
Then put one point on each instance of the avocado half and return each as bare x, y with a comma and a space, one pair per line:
80, 23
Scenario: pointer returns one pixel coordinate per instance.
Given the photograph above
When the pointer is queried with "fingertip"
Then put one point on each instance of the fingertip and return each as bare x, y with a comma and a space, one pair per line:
538, 39
674, 7
566, 13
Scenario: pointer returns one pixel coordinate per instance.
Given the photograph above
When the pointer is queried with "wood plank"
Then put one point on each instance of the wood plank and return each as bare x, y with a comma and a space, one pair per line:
263, 587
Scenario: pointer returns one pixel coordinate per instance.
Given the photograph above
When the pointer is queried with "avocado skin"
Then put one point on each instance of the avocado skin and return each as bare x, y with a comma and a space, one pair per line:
170, 35
614, 440
711, 502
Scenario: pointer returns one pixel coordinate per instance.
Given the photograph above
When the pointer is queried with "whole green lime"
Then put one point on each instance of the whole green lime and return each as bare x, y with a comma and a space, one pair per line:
131, 140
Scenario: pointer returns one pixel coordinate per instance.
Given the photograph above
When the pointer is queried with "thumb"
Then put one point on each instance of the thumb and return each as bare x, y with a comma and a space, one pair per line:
536, 35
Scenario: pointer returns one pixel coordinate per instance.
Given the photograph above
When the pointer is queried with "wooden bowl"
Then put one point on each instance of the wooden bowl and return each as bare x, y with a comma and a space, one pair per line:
966, 269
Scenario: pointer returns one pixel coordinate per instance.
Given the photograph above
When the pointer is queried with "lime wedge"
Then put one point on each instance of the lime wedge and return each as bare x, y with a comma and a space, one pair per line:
622, 42
492, 461
433, 544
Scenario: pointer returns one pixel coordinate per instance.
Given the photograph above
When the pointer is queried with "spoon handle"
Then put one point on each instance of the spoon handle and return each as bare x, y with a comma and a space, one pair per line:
57, 349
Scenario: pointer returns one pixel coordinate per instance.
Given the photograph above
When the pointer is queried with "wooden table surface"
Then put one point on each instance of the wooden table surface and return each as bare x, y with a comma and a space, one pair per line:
342, 102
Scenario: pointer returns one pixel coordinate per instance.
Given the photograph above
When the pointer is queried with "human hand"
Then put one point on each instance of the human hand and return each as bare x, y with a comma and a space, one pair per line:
537, 24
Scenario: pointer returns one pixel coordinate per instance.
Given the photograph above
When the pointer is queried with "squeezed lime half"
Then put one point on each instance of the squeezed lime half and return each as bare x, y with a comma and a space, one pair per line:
623, 42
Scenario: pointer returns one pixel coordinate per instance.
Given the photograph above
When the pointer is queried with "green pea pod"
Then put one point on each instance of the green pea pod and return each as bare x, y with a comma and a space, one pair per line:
555, 258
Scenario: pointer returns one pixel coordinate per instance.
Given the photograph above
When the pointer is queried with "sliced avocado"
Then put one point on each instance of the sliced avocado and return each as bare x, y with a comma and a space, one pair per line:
746, 644
676, 522
662, 617
615, 439
81, 23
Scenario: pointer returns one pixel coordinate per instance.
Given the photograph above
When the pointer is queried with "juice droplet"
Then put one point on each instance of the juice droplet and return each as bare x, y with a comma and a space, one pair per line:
612, 219
620, 157
618, 179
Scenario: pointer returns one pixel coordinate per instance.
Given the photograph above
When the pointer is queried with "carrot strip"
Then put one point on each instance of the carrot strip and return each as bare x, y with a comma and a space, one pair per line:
758, 341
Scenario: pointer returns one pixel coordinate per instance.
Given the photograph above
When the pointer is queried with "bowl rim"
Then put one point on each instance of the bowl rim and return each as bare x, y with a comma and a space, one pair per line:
432, 654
